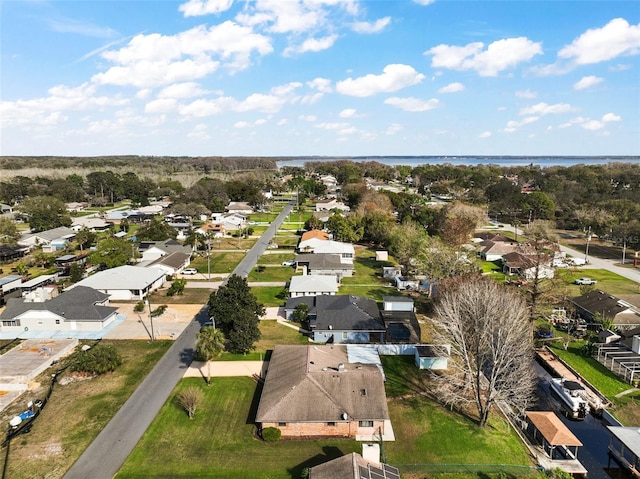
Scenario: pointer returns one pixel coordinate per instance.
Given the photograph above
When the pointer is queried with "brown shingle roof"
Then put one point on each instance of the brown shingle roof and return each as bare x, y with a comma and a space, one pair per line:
552, 428
306, 384
314, 234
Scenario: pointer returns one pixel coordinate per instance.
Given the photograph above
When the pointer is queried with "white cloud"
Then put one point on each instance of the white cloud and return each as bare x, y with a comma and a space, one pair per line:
596, 45
241, 124
484, 134
194, 8
205, 107
163, 105
371, 27
260, 121
311, 45
154, 60
545, 109
394, 77
424, 2
347, 113
587, 82
452, 88
513, 125
333, 125
413, 104
592, 125
321, 84
282, 122
527, 94
393, 129
307, 117
499, 55
609, 117
69, 25
181, 90
199, 132
283, 16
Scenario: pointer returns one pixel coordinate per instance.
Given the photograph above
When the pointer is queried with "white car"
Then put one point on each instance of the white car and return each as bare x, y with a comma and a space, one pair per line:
189, 271
288, 263
587, 281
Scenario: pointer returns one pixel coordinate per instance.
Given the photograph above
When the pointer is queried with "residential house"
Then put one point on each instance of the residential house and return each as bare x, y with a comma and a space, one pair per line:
433, 357
312, 285
314, 391
346, 319
75, 207
6, 209
233, 221
92, 223
38, 282
527, 266
353, 466
58, 235
126, 283
10, 252
152, 250
215, 230
491, 236
316, 245
623, 313
307, 235
63, 263
132, 216
171, 263
327, 264
331, 204
495, 250
10, 287
79, 309
390, 272
239, 207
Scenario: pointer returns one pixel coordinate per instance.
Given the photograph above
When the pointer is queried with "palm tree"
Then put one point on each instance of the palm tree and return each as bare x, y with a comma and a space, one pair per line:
209, 345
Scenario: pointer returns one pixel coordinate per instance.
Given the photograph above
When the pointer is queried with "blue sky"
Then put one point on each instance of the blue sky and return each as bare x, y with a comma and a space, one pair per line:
319, 77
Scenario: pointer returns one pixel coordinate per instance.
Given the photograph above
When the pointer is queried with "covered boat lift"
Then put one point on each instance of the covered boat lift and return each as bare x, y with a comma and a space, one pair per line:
559, 446
625, 447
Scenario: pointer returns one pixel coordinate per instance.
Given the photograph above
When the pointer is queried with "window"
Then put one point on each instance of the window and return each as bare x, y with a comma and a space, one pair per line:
345, 335
11, 322
331, 423
57, 321
365, 423
282, 424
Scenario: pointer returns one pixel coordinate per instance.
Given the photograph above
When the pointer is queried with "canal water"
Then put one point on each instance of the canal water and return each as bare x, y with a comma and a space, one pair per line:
592, 432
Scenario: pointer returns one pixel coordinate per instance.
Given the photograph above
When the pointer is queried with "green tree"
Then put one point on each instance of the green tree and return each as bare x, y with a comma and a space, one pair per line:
45, 213
343, 229
541, 206
177, 287
76, 271
112, 252
209, 345
237, 312
8, 231
156, 230
85, 237
405, 242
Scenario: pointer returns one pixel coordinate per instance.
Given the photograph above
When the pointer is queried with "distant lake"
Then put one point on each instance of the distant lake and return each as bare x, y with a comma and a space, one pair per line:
414, 161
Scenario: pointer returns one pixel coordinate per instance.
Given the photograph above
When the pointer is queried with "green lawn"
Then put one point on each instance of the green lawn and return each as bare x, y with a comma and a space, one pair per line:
367, 270
219, 442
374, 292
276, 258
189, 296
607, 281
263, 217
220, 262
270, 295
270, 273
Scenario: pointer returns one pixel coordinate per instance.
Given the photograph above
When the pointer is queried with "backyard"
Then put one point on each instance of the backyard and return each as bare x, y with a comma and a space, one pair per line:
226, 447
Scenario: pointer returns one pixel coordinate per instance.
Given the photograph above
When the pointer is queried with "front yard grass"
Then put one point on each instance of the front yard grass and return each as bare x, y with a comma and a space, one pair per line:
609, 282
77, 412
219, 441
276, 258
270, 274
375, 292
270, 296
221, 262
188, 296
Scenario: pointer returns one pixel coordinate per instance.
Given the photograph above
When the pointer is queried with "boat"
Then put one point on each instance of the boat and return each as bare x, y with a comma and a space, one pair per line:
572, 395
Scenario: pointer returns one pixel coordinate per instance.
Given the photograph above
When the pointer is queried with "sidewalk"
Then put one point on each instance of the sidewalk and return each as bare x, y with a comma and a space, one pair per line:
221, 369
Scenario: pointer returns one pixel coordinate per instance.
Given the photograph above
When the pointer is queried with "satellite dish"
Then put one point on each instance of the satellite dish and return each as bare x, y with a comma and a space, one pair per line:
344, 416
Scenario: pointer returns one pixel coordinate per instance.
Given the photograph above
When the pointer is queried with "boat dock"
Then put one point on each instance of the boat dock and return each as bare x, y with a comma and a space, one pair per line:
561, 369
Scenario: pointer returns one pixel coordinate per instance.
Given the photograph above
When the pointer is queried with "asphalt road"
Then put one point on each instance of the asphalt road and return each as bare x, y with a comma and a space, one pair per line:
106, 454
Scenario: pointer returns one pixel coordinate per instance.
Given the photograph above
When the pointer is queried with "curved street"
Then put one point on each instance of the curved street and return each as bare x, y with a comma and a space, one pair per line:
106, 454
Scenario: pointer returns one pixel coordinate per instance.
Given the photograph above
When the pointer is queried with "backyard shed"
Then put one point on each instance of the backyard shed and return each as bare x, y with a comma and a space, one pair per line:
431, 356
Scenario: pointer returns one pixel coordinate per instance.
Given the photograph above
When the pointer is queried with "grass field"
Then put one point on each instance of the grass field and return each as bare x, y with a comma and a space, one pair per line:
77, 412
189, 296
276, 258
607, 281
374, 292
270, 295
271, 274
220, 262
219, 441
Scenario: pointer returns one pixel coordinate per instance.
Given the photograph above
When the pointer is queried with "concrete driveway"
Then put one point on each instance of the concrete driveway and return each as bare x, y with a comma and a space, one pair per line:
167, 326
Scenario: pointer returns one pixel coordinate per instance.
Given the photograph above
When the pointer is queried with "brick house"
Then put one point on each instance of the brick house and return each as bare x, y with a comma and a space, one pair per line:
313, 391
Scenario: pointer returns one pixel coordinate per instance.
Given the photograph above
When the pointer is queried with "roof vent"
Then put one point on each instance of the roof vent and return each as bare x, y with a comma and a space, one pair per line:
344, 416
340, 366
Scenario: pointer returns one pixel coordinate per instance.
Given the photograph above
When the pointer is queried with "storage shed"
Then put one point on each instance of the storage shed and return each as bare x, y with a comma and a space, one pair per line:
431, 356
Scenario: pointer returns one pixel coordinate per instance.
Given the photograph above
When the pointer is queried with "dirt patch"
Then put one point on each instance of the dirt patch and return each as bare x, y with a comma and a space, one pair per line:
168, 325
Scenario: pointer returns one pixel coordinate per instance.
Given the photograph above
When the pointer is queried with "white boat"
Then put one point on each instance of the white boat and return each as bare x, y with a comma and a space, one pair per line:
573, 396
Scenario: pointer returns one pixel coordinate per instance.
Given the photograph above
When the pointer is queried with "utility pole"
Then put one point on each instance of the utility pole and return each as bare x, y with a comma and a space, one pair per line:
150, 319
586, 251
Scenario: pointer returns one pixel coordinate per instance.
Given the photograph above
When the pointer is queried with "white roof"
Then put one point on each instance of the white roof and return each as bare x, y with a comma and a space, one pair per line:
123, 277
313, 283
317, 245
629, 436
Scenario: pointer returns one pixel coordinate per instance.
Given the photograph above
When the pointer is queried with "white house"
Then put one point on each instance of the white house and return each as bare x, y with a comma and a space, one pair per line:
315, 245
91, 223
79, 309
44, 238
239, 207
331, 204
126, 283
313, 285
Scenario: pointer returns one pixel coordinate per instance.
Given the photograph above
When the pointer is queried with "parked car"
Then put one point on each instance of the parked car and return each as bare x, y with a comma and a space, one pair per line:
576, 261
189, 271
288, 263
587, 281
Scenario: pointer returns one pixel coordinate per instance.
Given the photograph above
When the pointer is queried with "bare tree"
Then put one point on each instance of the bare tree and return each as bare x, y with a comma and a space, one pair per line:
487, 326
189, 399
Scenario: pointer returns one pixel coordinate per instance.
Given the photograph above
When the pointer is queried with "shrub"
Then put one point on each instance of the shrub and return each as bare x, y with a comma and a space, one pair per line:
97, 360
189, 400
271, 434
159, 311
177, 287
139, 307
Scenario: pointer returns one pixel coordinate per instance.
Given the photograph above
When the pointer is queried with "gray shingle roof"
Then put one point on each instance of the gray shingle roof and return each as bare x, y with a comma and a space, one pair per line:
347, 313
78, 304
322, 261
353, 466
305, 384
